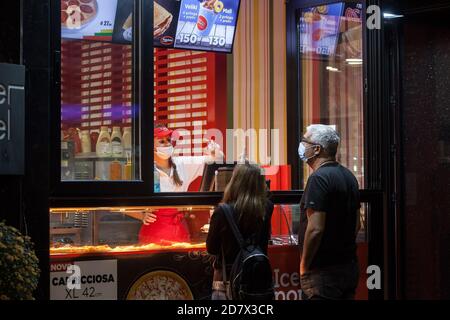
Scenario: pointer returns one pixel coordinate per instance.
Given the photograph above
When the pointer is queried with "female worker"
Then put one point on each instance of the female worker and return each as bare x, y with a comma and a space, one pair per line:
175, 175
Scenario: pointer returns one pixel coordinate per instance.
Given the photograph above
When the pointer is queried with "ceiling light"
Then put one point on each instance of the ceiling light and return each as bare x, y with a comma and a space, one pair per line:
388, 15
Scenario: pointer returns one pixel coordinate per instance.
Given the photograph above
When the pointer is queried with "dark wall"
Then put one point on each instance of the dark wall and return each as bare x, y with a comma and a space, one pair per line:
426, 155
10, 187
10, 32
35, 192
24, 200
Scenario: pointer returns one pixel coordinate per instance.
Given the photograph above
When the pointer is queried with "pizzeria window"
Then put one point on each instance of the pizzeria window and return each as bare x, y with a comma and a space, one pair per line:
205, 98
240, 102
100, 119
219, 107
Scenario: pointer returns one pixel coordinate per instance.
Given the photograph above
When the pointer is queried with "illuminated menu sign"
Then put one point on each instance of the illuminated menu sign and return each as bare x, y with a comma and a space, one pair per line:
319, 29
207, 25
88, 19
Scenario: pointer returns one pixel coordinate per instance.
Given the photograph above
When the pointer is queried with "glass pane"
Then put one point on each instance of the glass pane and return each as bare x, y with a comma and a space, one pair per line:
238, 101
98, 120
120, 229
331, 62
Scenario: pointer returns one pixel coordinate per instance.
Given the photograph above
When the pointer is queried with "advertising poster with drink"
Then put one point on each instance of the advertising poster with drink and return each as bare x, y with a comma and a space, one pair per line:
207, 25
319, 29
88, 19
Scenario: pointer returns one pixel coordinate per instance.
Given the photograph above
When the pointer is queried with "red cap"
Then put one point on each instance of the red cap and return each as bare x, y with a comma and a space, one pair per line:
162, 132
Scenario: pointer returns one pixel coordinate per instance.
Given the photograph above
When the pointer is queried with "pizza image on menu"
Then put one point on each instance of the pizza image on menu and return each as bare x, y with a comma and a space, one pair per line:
160, 285
76, 14
162, 20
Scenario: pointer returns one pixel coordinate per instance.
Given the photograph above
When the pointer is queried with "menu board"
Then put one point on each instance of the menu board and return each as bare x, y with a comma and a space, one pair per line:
207, 25
88, 19
319, 29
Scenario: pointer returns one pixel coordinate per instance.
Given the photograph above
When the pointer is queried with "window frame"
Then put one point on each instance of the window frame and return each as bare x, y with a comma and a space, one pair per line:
143, 97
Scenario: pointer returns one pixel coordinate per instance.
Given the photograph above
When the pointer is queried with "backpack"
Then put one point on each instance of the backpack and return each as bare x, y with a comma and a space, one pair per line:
251, 273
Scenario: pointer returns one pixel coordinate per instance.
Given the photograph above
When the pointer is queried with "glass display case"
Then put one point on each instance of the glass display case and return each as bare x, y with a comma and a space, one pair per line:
120, 229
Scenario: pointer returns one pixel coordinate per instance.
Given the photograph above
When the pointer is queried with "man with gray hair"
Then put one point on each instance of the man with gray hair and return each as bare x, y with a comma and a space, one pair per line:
329, 220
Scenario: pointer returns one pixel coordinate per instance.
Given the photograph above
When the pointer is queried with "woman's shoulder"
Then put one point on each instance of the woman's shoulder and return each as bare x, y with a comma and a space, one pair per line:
218, 212
269, 205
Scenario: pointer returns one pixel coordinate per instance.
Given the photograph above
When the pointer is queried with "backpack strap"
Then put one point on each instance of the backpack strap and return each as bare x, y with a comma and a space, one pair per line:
224, 267
228, 211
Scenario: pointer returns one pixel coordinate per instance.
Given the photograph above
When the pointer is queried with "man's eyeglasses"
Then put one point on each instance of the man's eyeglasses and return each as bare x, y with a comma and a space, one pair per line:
308, 141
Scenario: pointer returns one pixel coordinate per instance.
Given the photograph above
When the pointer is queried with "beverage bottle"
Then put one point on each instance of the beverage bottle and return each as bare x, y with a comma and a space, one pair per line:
85, 141
126, 140
115, 171
104, 143
116, 142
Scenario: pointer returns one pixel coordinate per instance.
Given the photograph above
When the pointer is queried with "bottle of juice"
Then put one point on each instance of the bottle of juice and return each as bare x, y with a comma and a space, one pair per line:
115, 171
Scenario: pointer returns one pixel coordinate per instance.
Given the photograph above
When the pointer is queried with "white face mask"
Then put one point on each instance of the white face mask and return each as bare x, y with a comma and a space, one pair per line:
302, 152
165, 152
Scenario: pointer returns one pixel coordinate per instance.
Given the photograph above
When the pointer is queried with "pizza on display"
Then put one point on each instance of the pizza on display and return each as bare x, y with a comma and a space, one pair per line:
160, 285
77, 13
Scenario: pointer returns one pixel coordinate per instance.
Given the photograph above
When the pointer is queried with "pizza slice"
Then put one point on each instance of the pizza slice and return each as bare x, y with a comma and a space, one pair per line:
77, 13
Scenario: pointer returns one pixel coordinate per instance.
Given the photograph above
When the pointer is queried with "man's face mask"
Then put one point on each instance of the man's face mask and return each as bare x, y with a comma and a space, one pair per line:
302, 152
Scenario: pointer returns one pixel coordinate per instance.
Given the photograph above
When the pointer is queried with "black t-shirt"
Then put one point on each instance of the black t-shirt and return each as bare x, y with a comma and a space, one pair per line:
332, 189
221, 234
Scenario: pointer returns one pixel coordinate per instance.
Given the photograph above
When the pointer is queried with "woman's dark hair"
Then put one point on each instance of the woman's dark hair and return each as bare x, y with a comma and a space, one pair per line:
247, 191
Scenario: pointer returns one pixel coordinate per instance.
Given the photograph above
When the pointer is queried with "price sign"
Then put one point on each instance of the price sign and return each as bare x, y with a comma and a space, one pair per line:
84, 280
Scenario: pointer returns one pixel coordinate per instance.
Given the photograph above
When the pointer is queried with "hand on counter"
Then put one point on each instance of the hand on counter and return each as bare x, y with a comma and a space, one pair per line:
149, 218
205, 228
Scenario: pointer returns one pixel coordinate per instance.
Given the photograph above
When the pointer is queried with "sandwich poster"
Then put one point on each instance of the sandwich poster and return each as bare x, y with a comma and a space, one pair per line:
165, 15
88, 19
207, 24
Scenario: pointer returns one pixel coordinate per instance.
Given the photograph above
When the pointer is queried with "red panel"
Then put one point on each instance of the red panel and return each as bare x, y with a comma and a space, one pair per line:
96, 84
186, 87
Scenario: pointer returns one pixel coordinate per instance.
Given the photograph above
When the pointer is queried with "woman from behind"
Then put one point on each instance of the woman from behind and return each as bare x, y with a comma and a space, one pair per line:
247, 195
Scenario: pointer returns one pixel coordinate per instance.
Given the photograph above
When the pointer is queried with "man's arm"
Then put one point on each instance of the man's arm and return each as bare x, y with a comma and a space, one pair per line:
313, 237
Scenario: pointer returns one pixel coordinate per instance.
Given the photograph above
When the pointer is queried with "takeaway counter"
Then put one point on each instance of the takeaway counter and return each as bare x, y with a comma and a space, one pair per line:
103, 246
